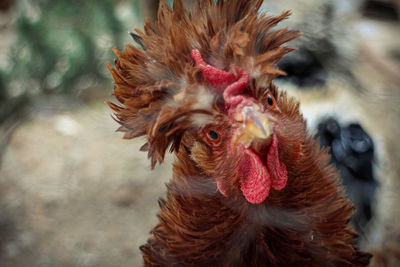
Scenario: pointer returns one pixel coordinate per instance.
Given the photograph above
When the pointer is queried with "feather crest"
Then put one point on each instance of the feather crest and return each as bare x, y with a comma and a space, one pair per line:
154, 100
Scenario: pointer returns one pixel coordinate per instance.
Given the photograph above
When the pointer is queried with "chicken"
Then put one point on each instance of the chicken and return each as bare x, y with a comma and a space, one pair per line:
352, 152
250, 185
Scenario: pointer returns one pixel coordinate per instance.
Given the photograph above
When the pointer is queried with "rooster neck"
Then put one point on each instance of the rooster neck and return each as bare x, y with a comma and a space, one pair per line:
198, 224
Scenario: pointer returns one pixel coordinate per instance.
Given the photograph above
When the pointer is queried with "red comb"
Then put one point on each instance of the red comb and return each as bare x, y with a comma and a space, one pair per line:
224, 82
257, 179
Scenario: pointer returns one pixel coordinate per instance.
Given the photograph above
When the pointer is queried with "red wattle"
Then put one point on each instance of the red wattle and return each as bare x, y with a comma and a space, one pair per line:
256, 182
276, 168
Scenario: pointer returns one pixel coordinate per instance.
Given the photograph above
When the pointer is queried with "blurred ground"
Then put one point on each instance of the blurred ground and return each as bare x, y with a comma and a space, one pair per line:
84, 197
72, 193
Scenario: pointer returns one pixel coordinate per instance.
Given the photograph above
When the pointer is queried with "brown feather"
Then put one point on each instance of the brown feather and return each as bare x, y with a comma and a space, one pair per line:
164, 97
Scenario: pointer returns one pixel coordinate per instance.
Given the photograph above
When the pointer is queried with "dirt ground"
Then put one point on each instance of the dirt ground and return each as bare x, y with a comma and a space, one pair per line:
84, 197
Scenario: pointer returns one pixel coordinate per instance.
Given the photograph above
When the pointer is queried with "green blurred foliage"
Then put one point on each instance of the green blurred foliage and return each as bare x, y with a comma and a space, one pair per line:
59, 42
62, 46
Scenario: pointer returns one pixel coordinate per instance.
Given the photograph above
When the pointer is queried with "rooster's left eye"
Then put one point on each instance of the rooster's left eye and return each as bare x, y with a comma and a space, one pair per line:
271, 101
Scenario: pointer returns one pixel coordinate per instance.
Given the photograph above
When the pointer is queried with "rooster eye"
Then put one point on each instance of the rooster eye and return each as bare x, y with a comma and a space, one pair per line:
213, 135
271, 101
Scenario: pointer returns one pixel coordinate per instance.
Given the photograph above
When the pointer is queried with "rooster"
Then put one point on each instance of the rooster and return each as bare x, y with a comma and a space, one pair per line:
250, 185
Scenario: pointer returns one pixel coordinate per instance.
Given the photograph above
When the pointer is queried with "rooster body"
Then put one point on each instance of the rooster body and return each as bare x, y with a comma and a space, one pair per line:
250, 186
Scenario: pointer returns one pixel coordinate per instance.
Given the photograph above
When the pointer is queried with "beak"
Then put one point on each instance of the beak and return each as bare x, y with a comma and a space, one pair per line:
255, 124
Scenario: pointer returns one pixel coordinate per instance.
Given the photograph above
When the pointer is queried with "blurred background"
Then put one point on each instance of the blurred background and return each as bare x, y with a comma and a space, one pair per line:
72, 193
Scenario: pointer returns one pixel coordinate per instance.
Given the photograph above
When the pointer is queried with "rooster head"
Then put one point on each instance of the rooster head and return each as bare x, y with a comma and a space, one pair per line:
202, 81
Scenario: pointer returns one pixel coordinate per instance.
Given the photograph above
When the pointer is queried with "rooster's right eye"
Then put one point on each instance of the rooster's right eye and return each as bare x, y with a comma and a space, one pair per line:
213, 135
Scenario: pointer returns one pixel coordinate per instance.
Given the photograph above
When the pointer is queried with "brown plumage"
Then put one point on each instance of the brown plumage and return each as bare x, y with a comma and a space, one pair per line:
250, 186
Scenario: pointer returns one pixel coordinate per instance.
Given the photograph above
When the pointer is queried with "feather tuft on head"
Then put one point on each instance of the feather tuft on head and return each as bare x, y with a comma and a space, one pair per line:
160, 86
